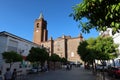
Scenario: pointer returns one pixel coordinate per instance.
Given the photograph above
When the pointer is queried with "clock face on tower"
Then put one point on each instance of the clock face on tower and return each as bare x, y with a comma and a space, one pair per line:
36, 30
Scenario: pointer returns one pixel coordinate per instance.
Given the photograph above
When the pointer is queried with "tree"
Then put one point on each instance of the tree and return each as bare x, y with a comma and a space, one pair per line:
101, 48
11, 57
101, 14
54, 58
38, 55
82, 50
106, 48
63, 60
33, 56
86, 51
91, 50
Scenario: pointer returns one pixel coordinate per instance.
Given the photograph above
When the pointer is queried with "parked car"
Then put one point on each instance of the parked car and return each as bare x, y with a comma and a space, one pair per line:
117, 73
114, 72
100, 68
34, 70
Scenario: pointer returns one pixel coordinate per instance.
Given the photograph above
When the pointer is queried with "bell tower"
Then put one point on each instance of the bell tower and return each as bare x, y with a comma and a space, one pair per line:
40, 30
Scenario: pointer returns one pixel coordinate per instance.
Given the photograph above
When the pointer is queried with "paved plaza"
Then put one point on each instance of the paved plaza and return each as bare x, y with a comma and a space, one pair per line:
62, 74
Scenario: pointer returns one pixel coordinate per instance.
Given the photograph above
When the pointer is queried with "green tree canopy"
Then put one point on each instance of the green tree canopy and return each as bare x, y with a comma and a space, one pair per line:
101, 14
38, 55
86, 50
106, 48
91, 50
64, 60
54, 57
82, 50
11, 56
101, 48
33, 56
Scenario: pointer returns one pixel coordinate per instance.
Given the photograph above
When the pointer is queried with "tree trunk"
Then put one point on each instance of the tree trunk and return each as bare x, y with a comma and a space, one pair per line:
103, 69
54, 65
113, 62
93, 67
103, 74
42, 66
11, 63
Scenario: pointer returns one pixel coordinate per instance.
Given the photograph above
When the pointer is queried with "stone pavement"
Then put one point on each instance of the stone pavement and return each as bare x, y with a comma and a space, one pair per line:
74, 74
99, 76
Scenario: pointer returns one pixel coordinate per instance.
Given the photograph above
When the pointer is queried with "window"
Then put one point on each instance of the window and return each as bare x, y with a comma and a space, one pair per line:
37, 25
72, 54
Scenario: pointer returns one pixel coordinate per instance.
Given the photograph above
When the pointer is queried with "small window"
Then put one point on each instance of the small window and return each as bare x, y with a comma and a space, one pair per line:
37, 25
72, 54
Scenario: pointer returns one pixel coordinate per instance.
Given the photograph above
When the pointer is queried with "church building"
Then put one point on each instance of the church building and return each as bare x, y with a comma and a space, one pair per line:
64, 46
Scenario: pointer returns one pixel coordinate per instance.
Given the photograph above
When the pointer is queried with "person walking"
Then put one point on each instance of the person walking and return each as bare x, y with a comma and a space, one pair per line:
8, 74
67, 67
14, 74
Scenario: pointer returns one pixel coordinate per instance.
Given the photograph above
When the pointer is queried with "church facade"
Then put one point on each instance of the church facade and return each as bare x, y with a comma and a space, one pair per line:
64, 46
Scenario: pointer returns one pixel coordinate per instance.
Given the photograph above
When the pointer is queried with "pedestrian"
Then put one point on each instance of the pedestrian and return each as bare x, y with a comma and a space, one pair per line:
8, 74
46, 68
70, 66
67, 67
1, 75
14, 74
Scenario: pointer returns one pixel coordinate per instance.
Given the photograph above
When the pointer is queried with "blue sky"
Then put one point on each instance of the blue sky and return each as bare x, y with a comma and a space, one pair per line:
18, 16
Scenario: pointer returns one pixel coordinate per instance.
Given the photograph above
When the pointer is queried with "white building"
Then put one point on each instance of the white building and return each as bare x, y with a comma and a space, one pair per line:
11, 42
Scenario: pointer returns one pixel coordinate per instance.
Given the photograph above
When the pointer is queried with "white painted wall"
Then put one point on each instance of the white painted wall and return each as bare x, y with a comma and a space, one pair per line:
23, 47
117, 40
20, 45
3, 43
